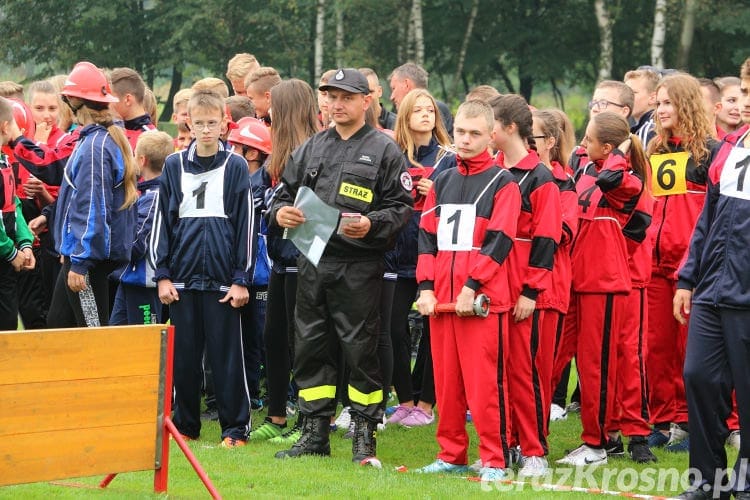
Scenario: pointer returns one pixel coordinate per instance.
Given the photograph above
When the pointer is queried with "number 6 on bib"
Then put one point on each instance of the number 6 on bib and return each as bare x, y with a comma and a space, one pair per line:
455, 230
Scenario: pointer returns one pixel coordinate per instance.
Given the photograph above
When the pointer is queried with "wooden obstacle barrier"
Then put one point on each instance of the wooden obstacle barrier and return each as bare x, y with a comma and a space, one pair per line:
86, 402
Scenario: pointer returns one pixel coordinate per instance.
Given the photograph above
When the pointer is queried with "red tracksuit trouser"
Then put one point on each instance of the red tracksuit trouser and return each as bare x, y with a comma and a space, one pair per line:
630, 415
469, 360
532, 348
665, 356
591, 331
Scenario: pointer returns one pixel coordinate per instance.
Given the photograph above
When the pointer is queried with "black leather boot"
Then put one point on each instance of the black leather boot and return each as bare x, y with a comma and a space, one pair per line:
313, 441
364, 444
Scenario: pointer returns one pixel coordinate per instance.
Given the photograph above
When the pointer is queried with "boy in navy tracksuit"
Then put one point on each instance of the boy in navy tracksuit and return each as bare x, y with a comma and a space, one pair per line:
202, 247
137, 301
715, 277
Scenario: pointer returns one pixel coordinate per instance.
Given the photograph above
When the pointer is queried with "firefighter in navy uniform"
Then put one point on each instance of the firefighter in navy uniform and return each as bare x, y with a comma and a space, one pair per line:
356, 169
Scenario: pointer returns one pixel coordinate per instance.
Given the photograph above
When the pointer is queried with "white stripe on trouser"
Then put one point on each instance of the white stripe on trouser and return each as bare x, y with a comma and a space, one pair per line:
88, 304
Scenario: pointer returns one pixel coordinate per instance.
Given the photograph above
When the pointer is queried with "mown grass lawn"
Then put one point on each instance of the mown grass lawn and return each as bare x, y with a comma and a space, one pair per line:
253, 471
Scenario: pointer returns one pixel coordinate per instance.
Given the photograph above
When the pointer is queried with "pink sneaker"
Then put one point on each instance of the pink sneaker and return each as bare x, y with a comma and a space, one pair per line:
418, 417
401, 413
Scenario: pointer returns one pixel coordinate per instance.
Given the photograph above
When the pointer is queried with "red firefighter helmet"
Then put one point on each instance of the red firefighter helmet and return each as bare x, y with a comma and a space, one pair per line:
251, 132
88, 82
22, 116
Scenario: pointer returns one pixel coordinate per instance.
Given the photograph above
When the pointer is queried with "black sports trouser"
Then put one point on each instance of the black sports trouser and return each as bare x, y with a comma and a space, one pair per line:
278, 338
200, 320
70, 309
717, 359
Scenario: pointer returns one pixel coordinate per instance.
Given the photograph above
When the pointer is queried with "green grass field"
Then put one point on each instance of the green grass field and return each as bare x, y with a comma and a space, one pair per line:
252, 470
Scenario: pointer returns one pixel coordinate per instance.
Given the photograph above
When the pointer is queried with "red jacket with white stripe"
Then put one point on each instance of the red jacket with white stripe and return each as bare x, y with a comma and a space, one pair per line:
455, 252
539, 229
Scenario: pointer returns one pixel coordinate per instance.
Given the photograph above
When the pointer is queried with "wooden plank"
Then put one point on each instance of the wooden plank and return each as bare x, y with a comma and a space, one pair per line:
75, 404
72, 354
87, 452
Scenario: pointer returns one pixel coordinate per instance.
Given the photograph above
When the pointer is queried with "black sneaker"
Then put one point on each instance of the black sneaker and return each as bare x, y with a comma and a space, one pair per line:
614, 447
211, 414
639, 450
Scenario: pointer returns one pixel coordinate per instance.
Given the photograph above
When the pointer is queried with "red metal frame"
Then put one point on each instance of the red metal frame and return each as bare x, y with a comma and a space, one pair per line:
161, 475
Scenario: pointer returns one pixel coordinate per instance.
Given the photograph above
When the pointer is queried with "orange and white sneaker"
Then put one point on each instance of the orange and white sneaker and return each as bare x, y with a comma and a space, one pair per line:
230, 442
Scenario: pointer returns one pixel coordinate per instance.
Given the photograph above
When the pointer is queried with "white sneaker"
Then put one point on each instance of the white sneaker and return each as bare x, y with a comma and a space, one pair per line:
585, 455
556, 413
342, 421
476, 466
534, 467
676, 434
381, 425
734, 439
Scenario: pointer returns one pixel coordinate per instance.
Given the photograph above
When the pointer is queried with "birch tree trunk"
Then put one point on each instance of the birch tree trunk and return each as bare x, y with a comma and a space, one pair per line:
320, 24
660, 33
605, 39
686, 37
339, 34
465, 45
416, 16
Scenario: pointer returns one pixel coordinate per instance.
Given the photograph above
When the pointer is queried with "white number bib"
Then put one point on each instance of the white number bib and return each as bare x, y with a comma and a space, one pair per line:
203, 194
455, 232
734, 181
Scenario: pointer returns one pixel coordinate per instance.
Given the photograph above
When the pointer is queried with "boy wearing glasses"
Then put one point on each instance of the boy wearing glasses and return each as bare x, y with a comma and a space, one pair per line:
202, 249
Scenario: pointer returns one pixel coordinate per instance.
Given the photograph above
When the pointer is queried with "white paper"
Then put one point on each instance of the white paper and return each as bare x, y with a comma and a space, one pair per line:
311, 237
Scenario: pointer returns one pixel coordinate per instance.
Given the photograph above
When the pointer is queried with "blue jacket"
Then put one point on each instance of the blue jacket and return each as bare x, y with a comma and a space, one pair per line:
717, 266
402, 260
260, 182
90, 226
140, 270
282, 252
202, 238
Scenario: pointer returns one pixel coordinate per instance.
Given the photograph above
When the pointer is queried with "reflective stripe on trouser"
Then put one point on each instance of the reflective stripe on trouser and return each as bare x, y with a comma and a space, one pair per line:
338, 310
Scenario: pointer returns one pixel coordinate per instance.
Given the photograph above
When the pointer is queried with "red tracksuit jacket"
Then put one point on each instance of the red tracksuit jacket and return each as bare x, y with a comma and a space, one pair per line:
444, 264
558, 296
679, 187
607, 196
539, 229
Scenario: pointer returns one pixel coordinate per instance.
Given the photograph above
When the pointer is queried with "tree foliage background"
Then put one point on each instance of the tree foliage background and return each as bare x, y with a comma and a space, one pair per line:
516, 45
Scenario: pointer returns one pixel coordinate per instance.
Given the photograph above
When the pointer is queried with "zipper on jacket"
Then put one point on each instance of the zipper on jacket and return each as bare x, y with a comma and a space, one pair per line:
657, 254
453, 254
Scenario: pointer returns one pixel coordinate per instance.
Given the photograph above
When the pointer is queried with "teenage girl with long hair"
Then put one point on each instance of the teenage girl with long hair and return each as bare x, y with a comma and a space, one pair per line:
294, 120
608, 189
95, 213
554, 143
679, 155
530, 271
424, 142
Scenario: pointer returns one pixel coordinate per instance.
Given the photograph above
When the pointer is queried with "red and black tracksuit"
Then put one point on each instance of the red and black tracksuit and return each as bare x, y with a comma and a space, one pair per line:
530, 269
607, 195
468, 352
559, 293
135, 127
674, 219
630, 415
